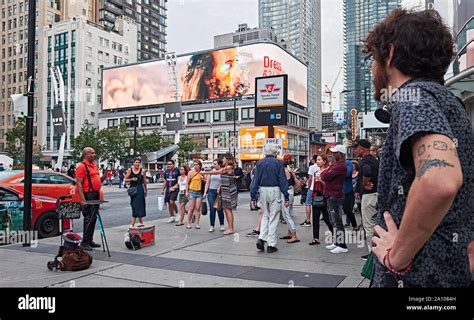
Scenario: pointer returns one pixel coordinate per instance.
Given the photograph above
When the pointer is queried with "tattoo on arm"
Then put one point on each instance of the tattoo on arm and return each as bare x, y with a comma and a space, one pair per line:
440, 145
427, 164
421, 150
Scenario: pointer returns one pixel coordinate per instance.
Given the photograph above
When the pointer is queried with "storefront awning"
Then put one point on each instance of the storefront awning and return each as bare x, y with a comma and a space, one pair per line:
153, 157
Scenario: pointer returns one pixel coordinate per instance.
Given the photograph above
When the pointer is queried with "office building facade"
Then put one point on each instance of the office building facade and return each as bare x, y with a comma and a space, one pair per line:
298, 23
359, 17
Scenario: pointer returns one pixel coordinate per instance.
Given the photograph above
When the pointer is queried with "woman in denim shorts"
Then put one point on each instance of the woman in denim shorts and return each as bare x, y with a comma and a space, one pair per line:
194, 194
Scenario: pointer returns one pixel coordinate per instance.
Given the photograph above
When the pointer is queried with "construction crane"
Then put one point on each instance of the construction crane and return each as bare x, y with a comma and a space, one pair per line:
329, 91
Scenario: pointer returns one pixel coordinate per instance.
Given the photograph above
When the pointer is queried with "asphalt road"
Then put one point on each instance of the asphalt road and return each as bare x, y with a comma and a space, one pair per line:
118, 211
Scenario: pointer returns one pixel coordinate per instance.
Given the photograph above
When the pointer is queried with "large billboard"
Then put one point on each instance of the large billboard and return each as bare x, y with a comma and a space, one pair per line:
208, 75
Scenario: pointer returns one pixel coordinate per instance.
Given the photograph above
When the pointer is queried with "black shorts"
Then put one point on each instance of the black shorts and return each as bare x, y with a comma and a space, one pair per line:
171, 196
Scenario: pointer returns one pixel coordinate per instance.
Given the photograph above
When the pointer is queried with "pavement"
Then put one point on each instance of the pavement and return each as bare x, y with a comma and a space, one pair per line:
192, 258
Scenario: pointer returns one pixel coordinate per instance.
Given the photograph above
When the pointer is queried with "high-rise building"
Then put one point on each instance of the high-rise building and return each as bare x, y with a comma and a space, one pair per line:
245, 35
298, 23
80, 48
150, 16
359, 17
14, 48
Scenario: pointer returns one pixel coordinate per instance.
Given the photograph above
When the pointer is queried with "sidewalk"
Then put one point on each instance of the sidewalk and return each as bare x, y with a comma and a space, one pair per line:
192, 258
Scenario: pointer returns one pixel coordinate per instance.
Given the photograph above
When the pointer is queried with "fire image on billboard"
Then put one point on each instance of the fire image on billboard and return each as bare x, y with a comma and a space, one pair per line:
206, 75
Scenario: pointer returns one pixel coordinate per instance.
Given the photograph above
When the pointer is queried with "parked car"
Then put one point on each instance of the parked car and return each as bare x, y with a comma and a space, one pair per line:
45, 183
44, 217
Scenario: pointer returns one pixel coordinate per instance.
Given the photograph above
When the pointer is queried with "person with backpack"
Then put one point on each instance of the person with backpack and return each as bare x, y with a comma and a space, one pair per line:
89, 184
138, 190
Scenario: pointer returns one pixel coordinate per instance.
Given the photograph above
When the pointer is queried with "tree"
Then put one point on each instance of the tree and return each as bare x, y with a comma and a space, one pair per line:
187, 147
16, 138
115, 143
151, 142
88, 137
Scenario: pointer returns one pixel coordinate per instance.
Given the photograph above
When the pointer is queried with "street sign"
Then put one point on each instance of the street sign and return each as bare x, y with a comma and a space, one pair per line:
271, 101
20, 105
58, 120
173, 116
278, 142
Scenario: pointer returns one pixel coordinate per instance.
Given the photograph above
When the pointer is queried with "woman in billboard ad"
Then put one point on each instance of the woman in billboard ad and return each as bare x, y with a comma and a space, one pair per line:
214, 75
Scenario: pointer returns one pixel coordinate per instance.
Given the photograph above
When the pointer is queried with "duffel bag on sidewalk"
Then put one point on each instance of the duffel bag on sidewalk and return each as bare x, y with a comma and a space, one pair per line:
75, 260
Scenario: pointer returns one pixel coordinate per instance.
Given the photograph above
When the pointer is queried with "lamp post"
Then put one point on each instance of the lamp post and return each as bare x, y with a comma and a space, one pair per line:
29, 119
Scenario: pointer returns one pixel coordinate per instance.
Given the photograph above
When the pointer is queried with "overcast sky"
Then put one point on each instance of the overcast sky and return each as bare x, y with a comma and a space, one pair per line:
192, 25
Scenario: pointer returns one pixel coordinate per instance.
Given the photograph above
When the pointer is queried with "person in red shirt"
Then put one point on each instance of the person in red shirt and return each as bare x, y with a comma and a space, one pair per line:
89, 183
333, 179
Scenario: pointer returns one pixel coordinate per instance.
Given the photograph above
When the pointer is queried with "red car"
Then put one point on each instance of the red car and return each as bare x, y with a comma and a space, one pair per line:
44, 217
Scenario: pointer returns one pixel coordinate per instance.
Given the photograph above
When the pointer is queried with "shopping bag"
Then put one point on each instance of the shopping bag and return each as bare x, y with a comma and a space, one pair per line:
161, 203
368, 268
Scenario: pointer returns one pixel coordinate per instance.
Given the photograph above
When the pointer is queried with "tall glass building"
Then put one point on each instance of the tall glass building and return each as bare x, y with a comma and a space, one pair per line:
359, 17
298, 23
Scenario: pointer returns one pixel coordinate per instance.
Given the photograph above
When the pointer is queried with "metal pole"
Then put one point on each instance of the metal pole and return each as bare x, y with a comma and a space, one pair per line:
365, 98
235, 115
29, 119
134, 136
271, 131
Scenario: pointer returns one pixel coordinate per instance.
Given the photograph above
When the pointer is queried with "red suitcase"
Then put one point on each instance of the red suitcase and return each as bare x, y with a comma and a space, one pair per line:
139, 237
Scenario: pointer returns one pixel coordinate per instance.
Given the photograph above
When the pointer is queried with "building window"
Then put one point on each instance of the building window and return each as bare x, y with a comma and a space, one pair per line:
151, 121
199, 117
225, 115
248, 113
112, 123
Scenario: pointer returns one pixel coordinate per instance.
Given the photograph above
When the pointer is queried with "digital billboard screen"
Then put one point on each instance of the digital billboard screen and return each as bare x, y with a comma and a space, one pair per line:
208, 75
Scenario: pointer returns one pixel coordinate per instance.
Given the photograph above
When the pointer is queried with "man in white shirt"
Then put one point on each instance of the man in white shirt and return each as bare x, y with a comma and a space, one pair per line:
313, 169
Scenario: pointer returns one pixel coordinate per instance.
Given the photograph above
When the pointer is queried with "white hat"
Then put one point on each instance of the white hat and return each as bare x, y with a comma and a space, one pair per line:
339, 148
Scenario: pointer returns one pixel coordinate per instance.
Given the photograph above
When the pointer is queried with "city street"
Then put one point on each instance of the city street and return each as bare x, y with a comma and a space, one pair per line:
117, 211
188, 258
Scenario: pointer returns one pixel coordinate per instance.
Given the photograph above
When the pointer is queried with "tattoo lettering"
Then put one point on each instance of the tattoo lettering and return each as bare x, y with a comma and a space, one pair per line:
425, 165
421, 150
440, 145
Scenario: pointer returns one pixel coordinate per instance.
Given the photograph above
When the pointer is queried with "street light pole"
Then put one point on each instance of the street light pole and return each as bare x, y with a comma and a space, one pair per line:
134, 136
29, 119
234, 117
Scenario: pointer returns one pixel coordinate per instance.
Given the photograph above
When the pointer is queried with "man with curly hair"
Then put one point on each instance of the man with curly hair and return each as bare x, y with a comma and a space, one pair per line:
425, 217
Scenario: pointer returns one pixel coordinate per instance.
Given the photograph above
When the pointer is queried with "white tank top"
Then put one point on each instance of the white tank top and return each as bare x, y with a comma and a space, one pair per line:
183, 183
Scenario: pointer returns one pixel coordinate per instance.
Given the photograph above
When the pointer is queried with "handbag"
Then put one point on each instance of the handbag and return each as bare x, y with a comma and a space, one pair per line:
368, 268
132, 191
318, 201
218, 203
204, 208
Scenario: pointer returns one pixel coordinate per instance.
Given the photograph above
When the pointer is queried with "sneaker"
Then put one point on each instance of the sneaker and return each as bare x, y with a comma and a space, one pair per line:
170, 220
306, 224
222, 228
331, 247
211, 229
198, 226
253, 234
339, 250
260, 245
364, 258
271, 249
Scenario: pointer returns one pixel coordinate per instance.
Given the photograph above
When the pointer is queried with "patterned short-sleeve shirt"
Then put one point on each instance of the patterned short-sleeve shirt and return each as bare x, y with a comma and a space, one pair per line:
443, 260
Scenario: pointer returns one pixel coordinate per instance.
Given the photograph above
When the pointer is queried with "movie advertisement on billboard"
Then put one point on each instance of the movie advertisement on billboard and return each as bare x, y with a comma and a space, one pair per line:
208, 75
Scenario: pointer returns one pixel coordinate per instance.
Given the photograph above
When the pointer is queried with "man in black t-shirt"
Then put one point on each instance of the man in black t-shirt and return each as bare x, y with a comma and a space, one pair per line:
367, 188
